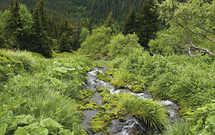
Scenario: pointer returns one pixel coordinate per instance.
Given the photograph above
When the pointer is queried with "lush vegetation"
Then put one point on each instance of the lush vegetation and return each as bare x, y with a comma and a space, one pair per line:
38, 95
165, 49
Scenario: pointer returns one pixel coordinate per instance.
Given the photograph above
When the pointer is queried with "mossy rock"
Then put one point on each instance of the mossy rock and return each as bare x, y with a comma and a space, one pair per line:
138, 90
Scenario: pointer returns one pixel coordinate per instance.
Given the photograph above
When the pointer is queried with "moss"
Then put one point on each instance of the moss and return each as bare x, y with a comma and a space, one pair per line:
138, 90
103, 77
122, 120
100, 89
83, 99
91, 106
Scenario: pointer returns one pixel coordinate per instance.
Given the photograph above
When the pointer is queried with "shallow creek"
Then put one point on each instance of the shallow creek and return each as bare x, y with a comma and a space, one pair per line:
117, 127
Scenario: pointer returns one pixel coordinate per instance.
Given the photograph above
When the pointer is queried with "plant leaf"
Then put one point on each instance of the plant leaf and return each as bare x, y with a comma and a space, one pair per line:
21, 131
212, 120
3, 128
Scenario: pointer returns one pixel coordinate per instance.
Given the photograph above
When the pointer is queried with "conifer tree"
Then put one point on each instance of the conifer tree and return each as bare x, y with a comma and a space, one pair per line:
147, 23
109, 22
13, 22
11, 5
64, 44
44, 18
129, 24
24, 32
41, 40
90, 28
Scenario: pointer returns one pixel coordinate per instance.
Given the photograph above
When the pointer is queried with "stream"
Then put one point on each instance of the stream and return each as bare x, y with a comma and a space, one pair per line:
117, 127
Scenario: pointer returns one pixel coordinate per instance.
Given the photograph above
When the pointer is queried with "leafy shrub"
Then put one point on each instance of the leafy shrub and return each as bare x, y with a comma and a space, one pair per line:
203, 120
97, 42
27, 124
121, 45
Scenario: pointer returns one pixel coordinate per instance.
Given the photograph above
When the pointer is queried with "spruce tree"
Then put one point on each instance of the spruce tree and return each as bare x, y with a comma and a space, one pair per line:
90, 28
64, 44
109, 22
11, 5
44, 18
129, 24
13, 22
147, 23
41, 40
26, 29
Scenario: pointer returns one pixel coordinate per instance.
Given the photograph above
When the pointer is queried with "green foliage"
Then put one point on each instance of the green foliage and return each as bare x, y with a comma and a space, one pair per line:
129, 24
186, 80
97, 42
151, 114
203, 120
27, 124
190, 26
45, 91
3, 17
64, 45
179, 127
23, 33
84, 34
160, 44
121, 78
121, 45
109, 22
13, 20
147, 23
29, 62
8, 66
3, 42
42, 42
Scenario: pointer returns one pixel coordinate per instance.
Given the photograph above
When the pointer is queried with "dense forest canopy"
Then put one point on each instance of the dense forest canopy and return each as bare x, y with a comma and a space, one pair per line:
95, 11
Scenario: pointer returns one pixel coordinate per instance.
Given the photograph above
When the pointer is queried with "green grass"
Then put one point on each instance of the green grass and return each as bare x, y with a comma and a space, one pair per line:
179, 127
43, 89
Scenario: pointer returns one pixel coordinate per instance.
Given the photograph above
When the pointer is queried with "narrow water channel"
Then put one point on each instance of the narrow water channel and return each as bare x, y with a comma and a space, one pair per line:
117, 127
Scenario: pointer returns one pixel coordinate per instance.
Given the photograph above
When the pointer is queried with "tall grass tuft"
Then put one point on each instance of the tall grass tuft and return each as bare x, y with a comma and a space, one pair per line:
179, 127
150, 113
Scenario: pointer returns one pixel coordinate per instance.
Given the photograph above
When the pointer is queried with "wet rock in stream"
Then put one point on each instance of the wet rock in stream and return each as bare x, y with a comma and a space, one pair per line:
88, 114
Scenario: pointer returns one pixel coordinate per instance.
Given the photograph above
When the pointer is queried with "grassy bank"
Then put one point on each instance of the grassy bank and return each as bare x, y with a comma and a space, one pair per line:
38, 95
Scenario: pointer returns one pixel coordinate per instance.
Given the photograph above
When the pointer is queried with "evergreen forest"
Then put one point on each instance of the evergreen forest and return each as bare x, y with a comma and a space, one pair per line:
82, 67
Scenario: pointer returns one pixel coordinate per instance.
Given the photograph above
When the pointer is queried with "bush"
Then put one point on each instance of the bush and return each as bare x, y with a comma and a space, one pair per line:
97, 42
121, 45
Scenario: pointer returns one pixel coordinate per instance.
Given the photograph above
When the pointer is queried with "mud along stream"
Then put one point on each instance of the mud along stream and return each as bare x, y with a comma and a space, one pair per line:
128, 123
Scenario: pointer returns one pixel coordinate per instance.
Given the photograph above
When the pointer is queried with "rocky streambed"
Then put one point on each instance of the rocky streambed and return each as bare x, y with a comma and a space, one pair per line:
125, 125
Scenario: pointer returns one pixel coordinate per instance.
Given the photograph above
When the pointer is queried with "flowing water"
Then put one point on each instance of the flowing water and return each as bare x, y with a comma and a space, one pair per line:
119, 128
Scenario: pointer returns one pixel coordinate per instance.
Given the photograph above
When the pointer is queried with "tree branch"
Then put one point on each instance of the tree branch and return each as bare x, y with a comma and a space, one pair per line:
207, 30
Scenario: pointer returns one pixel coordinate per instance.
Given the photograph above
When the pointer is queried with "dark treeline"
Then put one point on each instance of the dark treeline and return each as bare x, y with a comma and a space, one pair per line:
38, 29
95, 11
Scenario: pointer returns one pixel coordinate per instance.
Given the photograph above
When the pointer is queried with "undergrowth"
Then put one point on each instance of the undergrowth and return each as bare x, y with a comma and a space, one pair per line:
38, 95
